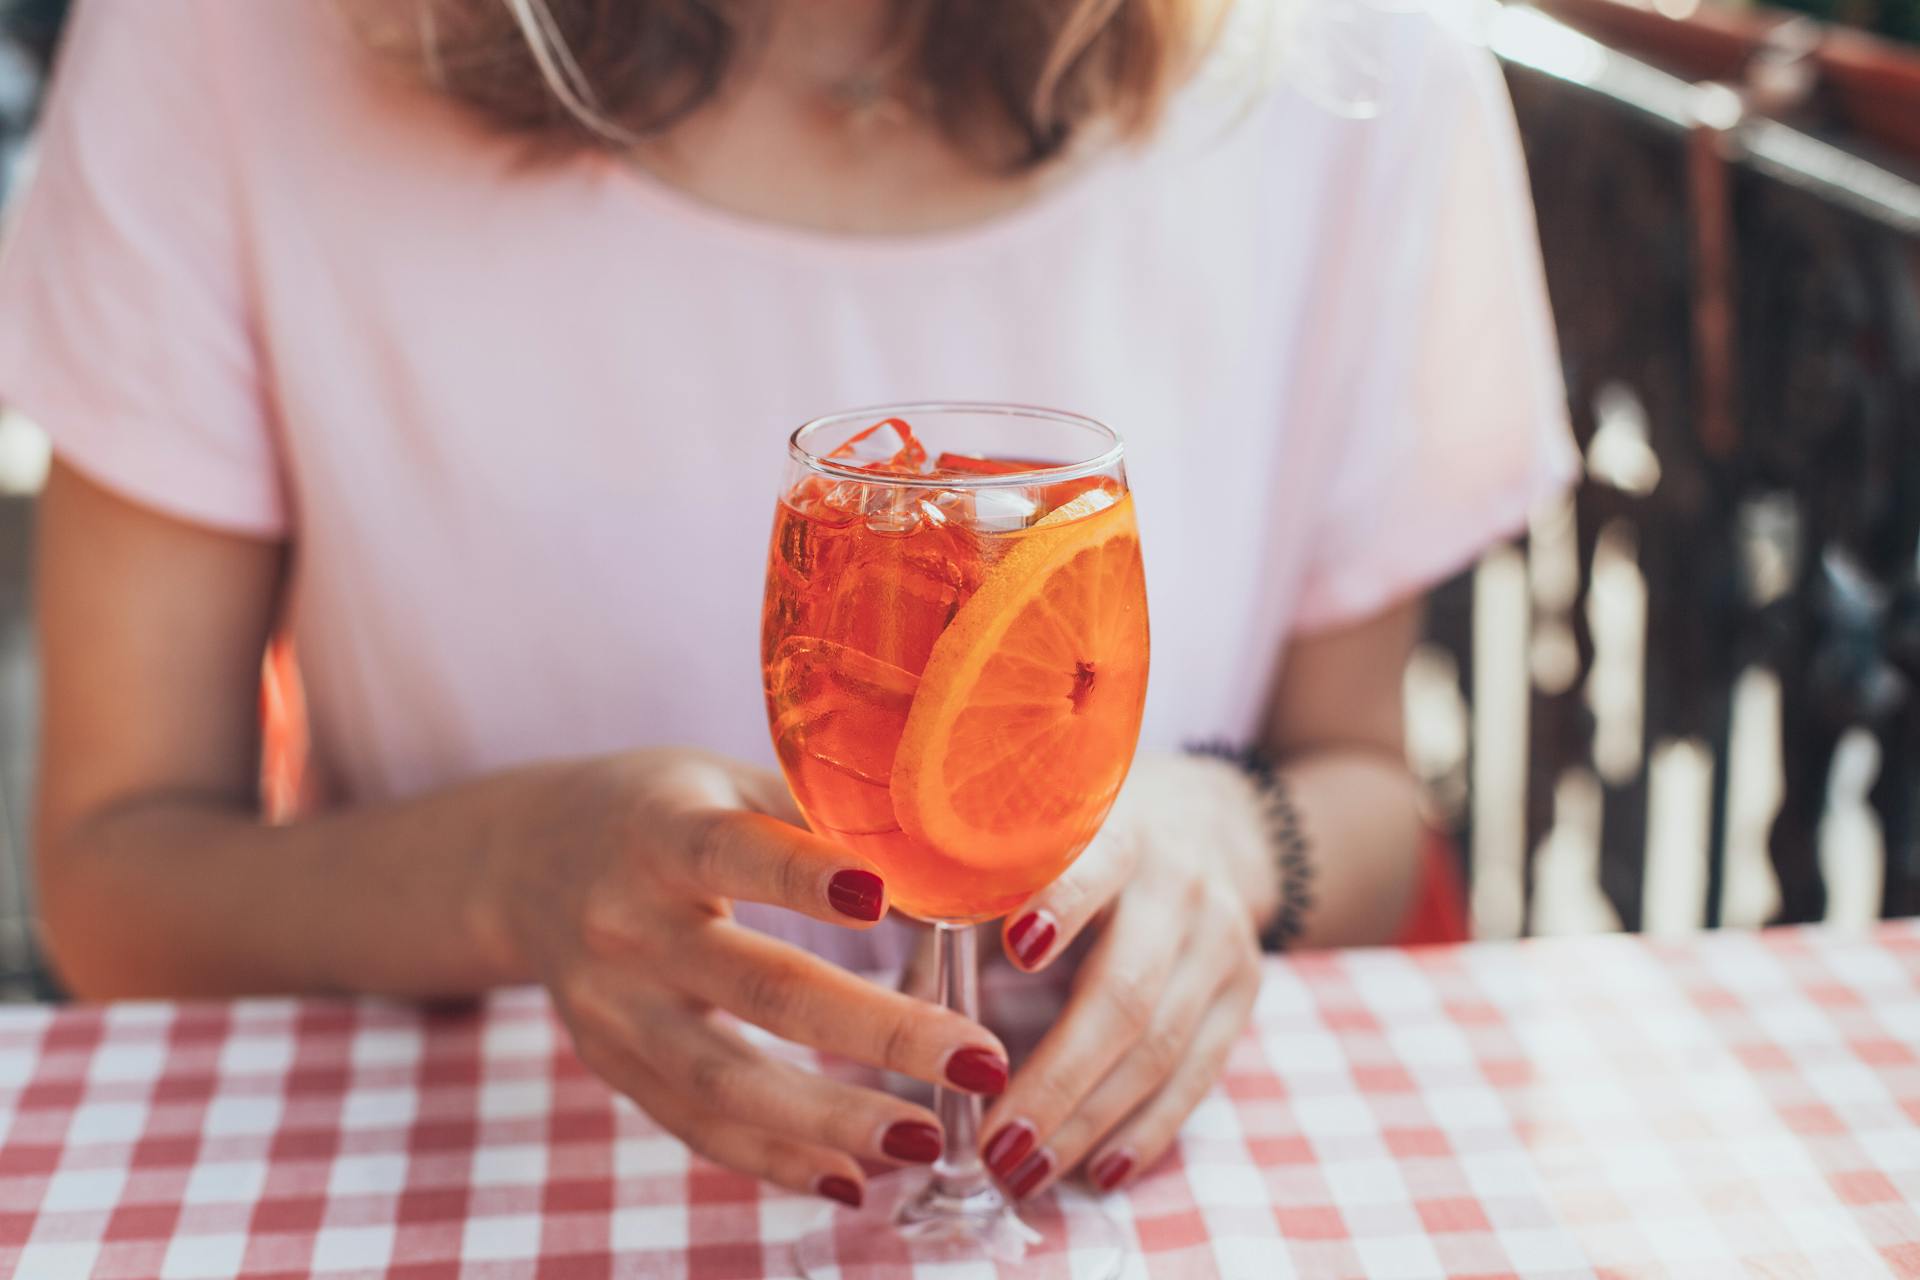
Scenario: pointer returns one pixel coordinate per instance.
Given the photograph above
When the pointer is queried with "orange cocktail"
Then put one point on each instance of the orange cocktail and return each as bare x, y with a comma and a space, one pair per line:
954, 667
954, 651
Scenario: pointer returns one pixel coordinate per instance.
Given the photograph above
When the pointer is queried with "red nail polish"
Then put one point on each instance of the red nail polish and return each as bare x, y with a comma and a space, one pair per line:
845, 1190
1008, 1147
977, 1071
1031, 1174
1111, 1168
856, 893
1030, 937
912, 1141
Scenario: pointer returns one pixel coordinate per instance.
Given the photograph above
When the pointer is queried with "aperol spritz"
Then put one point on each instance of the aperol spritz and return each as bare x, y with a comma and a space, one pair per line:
954, 675
954, 651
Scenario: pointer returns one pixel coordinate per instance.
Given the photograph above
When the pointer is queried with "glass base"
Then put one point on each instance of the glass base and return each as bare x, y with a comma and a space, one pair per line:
904, 1223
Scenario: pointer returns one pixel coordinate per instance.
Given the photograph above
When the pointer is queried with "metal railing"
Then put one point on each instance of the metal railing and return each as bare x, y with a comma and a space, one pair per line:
1742, 297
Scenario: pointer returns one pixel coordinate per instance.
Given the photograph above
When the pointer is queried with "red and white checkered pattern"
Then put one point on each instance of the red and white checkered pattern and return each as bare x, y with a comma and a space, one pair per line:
1739, 1105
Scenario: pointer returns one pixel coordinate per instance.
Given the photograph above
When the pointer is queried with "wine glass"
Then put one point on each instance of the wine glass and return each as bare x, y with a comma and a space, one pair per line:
954, 650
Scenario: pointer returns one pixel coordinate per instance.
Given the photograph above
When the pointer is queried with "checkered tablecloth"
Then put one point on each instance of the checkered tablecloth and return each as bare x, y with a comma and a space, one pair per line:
1739, 1105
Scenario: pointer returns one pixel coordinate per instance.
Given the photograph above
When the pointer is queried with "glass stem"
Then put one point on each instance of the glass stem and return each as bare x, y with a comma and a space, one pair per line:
958, 1174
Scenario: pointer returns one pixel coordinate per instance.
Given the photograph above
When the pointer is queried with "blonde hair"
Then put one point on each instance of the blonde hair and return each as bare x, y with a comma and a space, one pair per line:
1008, 82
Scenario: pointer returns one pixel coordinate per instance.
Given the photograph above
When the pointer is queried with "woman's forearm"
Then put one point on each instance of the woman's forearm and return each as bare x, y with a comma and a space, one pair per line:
177, 895
1336, 725
1357, 808
1359, 812
183, 896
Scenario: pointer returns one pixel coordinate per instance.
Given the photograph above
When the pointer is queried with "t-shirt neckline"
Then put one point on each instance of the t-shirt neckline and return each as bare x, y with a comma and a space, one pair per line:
1028, 218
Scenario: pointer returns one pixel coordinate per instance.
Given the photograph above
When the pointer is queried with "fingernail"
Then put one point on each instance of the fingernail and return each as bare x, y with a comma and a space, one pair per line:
1031, 1174
1110, 1168
977, 1070
1030, 937
845, 1190
912, 1141
856, 893
1008, 1147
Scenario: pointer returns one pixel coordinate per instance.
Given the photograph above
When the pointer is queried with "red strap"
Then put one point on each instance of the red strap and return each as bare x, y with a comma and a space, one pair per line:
1438, 913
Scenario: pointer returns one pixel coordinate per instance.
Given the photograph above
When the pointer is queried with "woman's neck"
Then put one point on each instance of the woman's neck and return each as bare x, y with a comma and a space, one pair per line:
814, 132
821, 45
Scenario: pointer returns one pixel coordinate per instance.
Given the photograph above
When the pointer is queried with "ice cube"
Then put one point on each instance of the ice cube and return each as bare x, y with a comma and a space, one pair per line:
823, 500
798, 542
1004, 510
985, 510
813, 678
887, 447
955, 506
843, 713
896, 517
897, 595
859, 500
1073, 499
887, 509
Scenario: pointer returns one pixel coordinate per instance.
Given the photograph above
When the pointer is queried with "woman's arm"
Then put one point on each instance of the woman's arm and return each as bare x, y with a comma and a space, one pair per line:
155, 874
1337, 727
609, 880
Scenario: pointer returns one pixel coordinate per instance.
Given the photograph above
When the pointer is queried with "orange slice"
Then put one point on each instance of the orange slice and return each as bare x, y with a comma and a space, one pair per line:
1027, 713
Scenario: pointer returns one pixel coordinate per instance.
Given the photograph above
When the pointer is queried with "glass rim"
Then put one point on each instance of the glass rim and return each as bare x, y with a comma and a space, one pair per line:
1109, 457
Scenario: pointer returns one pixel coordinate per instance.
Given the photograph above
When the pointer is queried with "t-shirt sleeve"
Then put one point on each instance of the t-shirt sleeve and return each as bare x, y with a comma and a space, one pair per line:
1450, 419
124, 317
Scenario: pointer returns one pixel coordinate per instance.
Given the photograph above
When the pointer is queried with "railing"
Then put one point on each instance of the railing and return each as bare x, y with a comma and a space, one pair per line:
1739, 312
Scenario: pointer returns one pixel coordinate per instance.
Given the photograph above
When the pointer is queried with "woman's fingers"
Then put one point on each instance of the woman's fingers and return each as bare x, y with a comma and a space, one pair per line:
692, 1054
800, 997
730, 853
1116, 997
765, 791
772, 1154
781, 1161
1040, 929
1139, 1075
1138, 1142
733, 1078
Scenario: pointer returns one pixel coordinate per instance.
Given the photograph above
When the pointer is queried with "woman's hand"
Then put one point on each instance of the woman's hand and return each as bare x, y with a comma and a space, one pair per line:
1173, 885
616, 897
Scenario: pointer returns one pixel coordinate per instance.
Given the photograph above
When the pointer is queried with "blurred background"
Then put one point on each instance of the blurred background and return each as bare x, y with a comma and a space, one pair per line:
1687, 698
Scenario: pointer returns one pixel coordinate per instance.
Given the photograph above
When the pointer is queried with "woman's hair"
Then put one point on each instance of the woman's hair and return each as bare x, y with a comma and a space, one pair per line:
1007, 81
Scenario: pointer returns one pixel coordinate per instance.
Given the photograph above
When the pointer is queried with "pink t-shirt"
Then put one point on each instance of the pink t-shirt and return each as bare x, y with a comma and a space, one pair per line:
524, 423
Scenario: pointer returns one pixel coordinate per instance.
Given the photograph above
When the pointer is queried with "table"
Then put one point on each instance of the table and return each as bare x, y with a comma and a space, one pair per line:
1740, 1104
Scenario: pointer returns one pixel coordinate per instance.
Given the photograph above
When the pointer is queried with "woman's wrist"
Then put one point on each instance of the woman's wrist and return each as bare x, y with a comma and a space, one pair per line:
1204, 803
1274, 867
532, 812
1254, 866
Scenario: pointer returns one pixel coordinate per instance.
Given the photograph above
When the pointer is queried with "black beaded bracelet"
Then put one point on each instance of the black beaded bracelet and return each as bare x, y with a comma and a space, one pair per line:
1285, 838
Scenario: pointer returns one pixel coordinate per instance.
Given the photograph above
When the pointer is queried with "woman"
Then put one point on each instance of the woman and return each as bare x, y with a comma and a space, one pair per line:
461, 350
